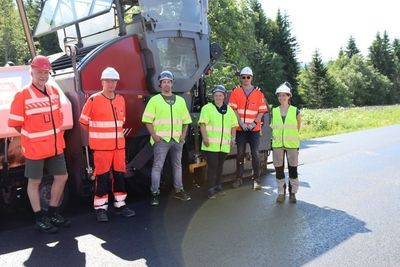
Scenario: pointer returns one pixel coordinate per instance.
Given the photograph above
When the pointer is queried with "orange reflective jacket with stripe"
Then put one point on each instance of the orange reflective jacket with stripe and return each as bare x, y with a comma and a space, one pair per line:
249, 106
105, 118
40, 117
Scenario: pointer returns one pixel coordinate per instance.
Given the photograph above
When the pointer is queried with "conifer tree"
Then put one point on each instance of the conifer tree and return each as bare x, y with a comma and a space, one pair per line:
351, 48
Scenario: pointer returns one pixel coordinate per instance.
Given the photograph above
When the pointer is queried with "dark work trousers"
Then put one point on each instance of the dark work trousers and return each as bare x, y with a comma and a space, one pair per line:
253, 138
102, 188
215, 164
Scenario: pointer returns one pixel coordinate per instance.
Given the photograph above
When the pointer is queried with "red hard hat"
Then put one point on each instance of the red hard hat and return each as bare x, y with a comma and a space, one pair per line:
41, 62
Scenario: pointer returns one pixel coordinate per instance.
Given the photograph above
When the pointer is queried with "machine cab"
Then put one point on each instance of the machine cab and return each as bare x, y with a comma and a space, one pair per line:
173, 34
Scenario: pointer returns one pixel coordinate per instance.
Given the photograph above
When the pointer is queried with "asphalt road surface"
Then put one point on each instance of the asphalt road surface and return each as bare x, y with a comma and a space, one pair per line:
348, 214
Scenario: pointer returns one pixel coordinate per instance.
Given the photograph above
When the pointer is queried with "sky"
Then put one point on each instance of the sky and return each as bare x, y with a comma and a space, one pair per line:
327, 25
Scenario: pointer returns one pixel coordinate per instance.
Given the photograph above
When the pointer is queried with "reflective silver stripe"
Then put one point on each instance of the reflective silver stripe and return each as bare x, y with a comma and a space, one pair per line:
16, 117
248, 111
40, 110
40, 99
249, 120
102, 135
287, 138
105, 124
217, 129
84, 117
167, 122
283, 126
39, 134
149, 115
218, 141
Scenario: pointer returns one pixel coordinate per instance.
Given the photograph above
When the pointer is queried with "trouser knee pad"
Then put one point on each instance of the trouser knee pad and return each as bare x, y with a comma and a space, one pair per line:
292, 172
280, 174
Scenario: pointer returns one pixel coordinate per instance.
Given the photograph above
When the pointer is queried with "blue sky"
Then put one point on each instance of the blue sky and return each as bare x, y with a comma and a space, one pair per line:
327, 25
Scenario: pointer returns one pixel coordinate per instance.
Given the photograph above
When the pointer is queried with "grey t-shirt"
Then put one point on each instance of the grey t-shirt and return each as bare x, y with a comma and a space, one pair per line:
169, 99
248, 91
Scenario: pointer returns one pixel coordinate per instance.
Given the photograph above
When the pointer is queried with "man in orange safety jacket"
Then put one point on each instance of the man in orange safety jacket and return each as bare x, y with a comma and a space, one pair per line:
103, 116
36, 114
249, 104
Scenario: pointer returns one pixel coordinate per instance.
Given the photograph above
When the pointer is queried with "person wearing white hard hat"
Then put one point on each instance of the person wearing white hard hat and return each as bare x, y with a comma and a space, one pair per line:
167, 119
103, 116
218, 129
249, 104
285, 124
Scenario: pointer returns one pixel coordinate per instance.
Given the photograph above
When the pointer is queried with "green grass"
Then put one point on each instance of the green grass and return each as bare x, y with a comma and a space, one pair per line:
324, 122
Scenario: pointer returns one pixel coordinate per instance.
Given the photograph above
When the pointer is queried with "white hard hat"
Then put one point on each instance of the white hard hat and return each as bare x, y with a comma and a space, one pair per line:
284, 88
110, 73
246, 71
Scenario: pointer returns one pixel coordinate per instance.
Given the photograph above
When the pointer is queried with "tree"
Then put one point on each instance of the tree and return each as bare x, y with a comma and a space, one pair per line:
315, 86
351, 48
12, 41
380, 55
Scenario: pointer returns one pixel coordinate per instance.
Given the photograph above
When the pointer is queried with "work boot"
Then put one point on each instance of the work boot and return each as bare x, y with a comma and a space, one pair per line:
237, 183
59, 221
101, 215
280, 198
219, 191
292, 198
155, 199
256, 185
211, 195
125, 211
44, 225
181, 195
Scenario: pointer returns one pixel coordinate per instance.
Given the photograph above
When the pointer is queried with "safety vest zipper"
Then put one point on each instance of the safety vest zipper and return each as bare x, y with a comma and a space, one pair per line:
113, 110
54, 126
222, 132
172, 122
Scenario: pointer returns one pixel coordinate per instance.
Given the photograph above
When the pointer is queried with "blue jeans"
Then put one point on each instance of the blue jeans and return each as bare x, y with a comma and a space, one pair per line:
253, 138
161, 149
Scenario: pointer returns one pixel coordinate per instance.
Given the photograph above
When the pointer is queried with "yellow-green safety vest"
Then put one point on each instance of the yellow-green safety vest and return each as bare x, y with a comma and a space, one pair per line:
218, 128
285, 134
167, 119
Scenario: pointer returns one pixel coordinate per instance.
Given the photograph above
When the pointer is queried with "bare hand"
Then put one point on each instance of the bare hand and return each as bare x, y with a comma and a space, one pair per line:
156, 138
206, 141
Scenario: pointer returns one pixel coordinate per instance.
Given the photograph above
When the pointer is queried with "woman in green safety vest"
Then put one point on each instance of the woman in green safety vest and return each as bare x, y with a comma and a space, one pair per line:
286, 123
218, 124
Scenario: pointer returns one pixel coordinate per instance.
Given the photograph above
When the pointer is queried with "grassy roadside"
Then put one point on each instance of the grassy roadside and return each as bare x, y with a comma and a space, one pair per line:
318, 123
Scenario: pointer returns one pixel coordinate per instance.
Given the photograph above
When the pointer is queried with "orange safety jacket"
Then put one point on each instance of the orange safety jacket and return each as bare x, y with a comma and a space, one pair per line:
249, 106
105, 118
40, 117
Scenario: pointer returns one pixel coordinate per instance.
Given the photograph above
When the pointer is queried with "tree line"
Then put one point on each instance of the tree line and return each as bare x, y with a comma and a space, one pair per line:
250, 38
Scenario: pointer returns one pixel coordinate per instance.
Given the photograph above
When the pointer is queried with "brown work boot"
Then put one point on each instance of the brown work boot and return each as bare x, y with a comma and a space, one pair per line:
280, 198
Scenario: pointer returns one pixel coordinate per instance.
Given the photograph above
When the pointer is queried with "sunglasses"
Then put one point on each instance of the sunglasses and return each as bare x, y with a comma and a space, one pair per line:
246, 77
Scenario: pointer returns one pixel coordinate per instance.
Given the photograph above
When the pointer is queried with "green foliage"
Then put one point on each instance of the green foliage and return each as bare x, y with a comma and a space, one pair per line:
318, 123
13, 45
351, 48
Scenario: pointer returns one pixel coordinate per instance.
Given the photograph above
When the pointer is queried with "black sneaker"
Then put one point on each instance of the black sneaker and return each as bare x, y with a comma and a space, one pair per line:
125, 211
101, 215
181, 195
155, 199
292, 198
59, 221
43, 225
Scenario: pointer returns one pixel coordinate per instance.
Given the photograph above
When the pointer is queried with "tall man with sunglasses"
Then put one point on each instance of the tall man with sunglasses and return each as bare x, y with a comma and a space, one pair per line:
249, 104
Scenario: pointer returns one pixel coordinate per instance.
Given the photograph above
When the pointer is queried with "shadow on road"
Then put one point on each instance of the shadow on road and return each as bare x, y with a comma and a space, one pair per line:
244, 228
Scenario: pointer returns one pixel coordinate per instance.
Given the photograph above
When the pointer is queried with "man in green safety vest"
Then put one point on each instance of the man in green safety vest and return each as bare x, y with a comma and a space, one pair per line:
167, 119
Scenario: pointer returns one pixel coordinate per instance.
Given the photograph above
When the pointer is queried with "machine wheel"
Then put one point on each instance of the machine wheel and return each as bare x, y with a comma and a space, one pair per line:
45, 191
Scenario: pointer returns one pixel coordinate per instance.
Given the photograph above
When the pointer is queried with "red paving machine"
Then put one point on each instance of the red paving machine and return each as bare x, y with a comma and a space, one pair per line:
139, 39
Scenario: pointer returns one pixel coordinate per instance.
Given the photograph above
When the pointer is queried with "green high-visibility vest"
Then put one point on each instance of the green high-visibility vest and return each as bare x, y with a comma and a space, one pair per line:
167, 119
218, 128
285, 134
